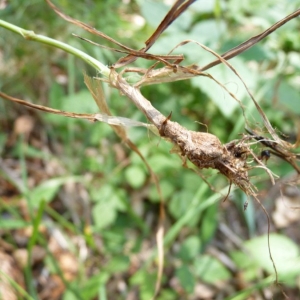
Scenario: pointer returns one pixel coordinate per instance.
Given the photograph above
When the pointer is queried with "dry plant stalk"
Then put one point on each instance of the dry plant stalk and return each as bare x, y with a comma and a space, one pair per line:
204, 150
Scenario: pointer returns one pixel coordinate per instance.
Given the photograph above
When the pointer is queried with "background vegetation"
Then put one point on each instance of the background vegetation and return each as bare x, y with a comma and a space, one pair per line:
79, 212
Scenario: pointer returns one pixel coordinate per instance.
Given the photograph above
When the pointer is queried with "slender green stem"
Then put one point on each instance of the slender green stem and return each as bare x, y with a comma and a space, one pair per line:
30, 35
15, 285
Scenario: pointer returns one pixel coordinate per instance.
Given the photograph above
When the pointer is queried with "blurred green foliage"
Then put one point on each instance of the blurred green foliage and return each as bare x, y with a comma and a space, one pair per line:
123, 200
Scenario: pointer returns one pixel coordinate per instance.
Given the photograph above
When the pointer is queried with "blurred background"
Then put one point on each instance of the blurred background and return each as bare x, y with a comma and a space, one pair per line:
78, 210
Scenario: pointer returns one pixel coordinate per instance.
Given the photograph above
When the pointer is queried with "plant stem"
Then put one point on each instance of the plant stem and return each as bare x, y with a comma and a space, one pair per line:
30, 35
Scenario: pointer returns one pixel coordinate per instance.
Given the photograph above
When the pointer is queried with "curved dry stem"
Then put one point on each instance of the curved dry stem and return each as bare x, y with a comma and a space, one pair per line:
252, 41
204, 150
269, 244
109, 119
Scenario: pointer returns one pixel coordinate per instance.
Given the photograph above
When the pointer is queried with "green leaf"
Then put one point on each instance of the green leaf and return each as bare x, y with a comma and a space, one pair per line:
202, 7
48, 189
3, 139
90, 288
135, 176
189, 248
114, 240
167, 295
109, 200
160, 162
240, 198
284, 252
109, 194
209, 223
218, 94
10, 224
81, 102
167, 189
208, 32
210, 270
180, 203
146, 283
186, 278
248, 266
104, 214
118, 264
289, 96
69, 295
153, 12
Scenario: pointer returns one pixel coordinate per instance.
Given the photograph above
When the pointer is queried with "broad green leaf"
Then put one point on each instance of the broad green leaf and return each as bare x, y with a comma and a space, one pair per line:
117, 264
114, 240
154, 12
284, 252
208, 32
104, 214
135, 176
146, 283
244, 263
180, 202
190, 248
91, 287
167, 294
69, 295
186, 278
289, 96
204, 7
210, 270
81, 102
218, 94
160, 162
167, 189
109, 194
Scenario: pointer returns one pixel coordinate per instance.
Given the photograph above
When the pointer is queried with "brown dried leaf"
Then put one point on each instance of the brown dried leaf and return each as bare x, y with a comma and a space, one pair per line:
92, 30
52, 288
177, 9
23, 125
9, 271
284, 213
68, 264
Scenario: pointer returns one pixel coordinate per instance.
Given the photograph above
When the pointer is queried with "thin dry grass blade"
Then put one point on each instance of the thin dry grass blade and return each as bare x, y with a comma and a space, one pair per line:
177, 9
111, 120
160, 250
157, 57
90, 117
251, 42
269, 244
87, 27
132, 52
